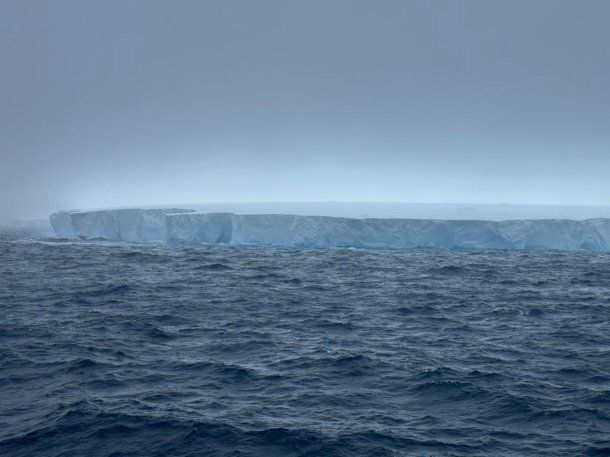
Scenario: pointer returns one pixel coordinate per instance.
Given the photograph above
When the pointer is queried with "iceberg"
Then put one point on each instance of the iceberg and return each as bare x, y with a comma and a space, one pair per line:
125, 224
183, 226
62, 224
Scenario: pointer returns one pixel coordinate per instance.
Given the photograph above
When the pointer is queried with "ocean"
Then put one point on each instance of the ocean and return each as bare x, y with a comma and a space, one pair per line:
115, 349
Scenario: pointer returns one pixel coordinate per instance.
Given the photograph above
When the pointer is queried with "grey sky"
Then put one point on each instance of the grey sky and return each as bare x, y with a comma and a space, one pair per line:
118, 102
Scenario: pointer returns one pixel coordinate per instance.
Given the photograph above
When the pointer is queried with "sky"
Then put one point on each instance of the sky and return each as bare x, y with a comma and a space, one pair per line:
122, 102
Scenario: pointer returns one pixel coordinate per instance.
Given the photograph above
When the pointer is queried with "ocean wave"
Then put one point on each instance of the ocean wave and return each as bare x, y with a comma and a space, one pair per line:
110, 349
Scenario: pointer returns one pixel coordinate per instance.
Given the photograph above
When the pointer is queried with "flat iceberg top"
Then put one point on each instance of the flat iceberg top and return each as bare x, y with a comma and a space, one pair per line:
176, 225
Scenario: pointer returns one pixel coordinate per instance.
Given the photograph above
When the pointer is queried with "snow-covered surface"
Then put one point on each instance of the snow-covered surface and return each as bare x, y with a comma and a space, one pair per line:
173, 225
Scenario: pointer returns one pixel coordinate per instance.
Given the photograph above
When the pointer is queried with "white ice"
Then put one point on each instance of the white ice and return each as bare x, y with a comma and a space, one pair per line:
173, 225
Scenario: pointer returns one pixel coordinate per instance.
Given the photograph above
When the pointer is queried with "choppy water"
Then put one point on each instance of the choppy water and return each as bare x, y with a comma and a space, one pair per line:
141, 350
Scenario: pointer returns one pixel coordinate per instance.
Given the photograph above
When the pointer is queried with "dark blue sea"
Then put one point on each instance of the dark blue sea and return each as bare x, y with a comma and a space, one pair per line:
146, 350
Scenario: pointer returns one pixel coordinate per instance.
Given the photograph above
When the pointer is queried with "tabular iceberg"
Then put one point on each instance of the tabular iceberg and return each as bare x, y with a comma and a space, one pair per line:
126, 224
174, 225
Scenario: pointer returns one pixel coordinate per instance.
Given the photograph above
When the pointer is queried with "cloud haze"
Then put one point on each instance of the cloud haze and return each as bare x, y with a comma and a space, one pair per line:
120, 102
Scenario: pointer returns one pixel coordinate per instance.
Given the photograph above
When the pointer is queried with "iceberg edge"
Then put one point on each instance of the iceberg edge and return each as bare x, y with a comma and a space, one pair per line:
182, 226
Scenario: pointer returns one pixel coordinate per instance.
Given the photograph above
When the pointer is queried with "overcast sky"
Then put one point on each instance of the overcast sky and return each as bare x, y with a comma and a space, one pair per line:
118, 102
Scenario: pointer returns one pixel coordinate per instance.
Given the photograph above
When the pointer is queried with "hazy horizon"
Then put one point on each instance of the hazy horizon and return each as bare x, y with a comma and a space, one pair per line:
402, 210
131, 103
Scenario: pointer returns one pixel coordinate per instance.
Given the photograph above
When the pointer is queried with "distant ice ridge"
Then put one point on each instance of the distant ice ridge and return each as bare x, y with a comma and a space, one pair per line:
172, 225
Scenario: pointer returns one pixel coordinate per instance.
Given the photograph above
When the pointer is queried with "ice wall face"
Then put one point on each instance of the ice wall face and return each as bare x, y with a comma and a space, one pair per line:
183, 226
62, 224
193, 228
130, 224
322, 231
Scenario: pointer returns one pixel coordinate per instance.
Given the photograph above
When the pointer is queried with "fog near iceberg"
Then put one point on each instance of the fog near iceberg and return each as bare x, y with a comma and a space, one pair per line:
150, 102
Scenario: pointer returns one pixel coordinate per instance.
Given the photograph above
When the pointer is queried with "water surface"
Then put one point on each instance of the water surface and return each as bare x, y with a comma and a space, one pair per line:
146, 350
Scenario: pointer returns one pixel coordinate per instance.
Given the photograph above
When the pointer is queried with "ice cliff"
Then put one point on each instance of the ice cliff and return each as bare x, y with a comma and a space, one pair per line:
129, 224
174, 225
